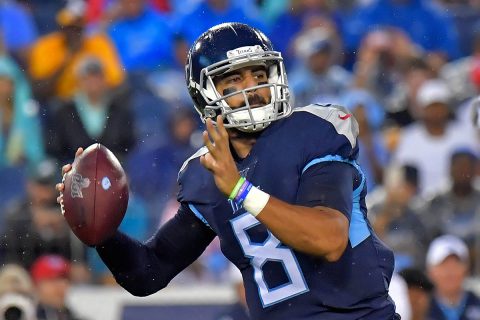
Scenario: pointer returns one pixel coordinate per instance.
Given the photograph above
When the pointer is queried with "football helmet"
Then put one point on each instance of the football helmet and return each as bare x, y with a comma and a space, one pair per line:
227, 47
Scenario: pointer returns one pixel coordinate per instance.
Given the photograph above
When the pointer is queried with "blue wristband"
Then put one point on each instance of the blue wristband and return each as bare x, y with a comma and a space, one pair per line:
243, 192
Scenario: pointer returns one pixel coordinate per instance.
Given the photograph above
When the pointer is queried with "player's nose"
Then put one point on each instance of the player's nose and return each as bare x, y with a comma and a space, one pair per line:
250, 80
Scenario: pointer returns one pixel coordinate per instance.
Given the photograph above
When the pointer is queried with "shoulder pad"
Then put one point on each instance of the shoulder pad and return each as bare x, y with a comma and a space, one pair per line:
341, 119
200, 152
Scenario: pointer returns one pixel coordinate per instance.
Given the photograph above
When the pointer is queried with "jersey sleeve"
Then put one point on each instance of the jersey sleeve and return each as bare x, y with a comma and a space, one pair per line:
327, 132
145, 268
328, 184
195, 183
329, 173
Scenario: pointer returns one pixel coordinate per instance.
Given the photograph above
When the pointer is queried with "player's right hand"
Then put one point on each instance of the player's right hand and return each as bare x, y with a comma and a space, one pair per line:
219, 160
66, 168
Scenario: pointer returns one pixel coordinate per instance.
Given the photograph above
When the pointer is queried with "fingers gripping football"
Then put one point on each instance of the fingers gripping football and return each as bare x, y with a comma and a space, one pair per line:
61, 186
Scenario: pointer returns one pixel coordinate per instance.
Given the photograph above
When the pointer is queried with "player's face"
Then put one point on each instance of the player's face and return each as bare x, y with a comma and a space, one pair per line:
244, 78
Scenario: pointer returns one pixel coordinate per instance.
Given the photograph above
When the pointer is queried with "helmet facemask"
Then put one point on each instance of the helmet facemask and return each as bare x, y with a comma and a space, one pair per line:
246, 118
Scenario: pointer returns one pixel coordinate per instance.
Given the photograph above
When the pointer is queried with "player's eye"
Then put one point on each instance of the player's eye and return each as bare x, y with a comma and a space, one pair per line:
232, 79
260, 75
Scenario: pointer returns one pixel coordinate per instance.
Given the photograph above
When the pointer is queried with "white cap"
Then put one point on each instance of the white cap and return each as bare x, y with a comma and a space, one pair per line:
312, 41
445, 246
433, 91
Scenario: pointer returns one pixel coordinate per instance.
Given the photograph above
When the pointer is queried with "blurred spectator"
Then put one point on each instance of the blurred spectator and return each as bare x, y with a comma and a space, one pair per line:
270, 10
317, 79
429, 143
391, 134
151, 54
18, 30
373, 154
20, 132
379, 61
398, 291
35, 225
166, 88
51, 276
158, 183
55, 57
239, 310
473, 117
447, 266
141, 35
463, 75
301, 16
44, 12
455, 210
95, 114
465, 14
95, 11
425, 23
400, 104
209, 13
395, 217
17, 296
419, 291
15, 279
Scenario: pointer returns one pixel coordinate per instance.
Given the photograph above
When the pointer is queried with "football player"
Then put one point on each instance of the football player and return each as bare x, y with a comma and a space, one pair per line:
281, 188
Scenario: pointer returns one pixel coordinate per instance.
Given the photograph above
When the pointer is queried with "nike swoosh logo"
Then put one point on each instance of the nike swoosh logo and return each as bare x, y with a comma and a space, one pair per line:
345, 117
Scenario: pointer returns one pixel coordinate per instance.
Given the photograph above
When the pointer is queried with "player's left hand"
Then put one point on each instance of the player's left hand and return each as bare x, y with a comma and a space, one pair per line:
219, 160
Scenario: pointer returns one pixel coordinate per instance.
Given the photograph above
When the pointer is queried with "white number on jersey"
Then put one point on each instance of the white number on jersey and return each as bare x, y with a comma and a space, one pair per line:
270, 250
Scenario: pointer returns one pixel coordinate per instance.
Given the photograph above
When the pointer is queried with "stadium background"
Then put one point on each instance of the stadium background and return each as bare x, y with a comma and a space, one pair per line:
119, 80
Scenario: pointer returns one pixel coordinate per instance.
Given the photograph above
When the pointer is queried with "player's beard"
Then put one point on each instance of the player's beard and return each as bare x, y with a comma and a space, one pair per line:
255, 101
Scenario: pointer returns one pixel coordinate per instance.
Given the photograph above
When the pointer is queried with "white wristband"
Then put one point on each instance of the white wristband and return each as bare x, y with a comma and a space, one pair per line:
255, 201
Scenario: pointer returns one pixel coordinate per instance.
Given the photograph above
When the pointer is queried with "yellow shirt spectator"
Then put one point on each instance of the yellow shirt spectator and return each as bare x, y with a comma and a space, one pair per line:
50, 53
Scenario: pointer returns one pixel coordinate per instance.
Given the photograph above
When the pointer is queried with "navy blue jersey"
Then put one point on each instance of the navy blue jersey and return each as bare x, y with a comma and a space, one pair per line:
282, 283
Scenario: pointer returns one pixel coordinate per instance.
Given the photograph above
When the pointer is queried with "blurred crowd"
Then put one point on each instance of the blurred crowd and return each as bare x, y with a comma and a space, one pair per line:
76, 72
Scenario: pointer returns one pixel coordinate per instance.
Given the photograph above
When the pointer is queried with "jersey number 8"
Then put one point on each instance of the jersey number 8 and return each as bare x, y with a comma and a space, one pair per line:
269, 250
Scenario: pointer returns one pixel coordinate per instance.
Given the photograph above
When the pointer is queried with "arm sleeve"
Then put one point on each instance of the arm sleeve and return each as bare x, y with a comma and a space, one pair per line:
329, 184
145, 268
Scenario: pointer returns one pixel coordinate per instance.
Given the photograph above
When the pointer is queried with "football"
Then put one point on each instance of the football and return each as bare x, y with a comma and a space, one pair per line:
95, 196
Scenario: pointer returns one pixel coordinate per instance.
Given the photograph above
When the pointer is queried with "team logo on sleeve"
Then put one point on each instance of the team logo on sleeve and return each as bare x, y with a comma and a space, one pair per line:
79, 183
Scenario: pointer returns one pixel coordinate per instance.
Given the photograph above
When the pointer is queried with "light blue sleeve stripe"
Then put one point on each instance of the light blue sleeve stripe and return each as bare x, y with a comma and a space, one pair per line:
358, 229
198, 214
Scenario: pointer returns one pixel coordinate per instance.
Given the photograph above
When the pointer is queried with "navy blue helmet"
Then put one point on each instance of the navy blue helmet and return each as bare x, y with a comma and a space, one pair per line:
227, 47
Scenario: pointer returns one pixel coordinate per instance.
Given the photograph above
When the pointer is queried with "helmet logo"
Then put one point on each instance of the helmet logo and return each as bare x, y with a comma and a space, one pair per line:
244, 50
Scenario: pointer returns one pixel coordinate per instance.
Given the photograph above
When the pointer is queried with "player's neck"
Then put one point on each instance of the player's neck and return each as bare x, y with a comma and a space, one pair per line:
242, 146
242, 142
